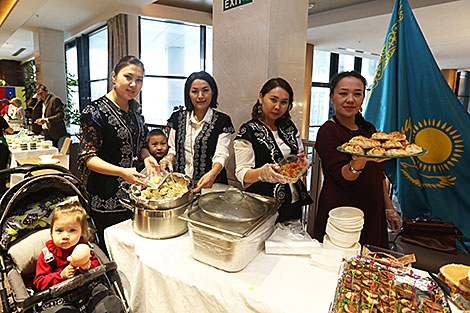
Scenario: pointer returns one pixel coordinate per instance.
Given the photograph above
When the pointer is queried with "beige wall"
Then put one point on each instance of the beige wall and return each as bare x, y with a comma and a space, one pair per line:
49, 54
253, 43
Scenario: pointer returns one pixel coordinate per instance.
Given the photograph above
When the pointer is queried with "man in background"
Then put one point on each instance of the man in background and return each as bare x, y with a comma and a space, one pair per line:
49, 113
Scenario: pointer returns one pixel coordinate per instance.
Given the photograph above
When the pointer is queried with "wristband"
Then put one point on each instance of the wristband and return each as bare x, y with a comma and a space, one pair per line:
354, 171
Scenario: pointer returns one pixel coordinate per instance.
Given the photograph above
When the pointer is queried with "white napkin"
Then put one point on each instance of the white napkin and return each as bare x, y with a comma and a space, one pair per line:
290, 238
327, 259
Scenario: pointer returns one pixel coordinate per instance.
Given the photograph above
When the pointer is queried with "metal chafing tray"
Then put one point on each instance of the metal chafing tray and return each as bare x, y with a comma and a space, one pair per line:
229, 245
236, 228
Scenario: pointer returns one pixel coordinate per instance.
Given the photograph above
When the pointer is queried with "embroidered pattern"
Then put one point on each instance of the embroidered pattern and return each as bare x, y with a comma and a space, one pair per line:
127, 127
200, 147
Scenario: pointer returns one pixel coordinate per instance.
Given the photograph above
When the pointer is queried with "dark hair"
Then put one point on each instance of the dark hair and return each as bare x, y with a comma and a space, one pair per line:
187, 88
156, 132
339, 76
267, 87
127, 60
41, 86
359, 119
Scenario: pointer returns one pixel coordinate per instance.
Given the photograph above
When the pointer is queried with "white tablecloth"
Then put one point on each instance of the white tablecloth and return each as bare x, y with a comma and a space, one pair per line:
161, 276
27, 154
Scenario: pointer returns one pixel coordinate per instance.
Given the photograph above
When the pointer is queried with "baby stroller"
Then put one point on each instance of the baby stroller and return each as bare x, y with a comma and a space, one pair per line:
28, 204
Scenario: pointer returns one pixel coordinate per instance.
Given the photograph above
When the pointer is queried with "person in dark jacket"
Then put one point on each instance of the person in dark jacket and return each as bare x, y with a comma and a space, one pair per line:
264, 141
112, 141
4, 152
49, 114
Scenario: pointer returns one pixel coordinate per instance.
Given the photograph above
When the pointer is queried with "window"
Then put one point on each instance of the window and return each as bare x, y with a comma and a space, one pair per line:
326, 65
98, 58
346, 63
72, 72
319, 109
209, 38
321, 66
368, 71
170, 51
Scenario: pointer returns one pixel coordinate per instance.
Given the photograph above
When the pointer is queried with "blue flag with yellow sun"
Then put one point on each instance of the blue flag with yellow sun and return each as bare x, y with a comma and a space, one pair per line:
409, 94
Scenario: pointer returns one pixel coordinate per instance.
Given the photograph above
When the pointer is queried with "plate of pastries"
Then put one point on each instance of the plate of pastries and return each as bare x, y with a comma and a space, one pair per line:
382, 145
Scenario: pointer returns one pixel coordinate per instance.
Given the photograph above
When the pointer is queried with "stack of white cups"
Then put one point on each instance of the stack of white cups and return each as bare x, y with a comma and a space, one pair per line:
343, 230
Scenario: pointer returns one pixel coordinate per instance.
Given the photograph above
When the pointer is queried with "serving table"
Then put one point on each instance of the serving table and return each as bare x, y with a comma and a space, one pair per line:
15, 178
161, 276
17, 154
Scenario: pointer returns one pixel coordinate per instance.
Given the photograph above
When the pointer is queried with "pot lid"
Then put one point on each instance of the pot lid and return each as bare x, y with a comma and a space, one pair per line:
233, 205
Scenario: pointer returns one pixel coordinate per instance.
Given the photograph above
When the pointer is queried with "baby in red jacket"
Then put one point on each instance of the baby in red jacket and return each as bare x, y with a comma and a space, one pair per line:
69, 227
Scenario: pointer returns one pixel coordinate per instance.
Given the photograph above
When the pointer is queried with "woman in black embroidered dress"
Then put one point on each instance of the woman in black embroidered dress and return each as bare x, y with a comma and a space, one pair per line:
112, 139
352, 180
264, 141
199, 136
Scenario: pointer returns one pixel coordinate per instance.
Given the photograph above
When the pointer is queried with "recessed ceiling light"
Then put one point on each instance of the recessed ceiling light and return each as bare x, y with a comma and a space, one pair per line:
18, 51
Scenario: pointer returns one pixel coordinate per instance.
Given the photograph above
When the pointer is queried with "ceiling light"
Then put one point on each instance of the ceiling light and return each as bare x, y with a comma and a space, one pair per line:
311, 5
18, 51
6, 6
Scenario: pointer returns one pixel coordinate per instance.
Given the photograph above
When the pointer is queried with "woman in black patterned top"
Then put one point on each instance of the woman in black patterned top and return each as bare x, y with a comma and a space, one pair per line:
199, 136
112, 140
264, 141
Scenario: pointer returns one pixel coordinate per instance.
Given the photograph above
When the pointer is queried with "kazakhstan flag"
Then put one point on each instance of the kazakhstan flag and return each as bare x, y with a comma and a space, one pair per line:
409, 94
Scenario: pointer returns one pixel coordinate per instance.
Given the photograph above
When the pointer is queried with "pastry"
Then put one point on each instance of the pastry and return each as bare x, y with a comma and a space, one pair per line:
353, 149
413, 149
370, 143
380, 136
457, 277
396, 136
389, 144
396, 152
377, 151
363, 142
357, 140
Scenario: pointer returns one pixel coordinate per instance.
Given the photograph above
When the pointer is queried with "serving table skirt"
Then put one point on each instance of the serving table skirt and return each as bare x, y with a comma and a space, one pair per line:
161, 276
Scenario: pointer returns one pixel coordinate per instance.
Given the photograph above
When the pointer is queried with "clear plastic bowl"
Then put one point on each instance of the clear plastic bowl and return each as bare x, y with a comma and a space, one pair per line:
293, 160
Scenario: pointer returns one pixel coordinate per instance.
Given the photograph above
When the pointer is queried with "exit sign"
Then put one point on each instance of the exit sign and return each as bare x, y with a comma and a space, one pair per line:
230, 4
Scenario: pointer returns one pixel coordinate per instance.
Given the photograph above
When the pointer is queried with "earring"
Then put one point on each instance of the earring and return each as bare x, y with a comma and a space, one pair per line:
260, 110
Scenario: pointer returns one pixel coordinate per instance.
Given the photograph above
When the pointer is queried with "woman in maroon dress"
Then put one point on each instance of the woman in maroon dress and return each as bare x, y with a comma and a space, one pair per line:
352, 180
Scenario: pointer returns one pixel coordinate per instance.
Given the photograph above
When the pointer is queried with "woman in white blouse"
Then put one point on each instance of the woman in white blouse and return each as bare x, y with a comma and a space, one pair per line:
264, 141
15, 110
199, 136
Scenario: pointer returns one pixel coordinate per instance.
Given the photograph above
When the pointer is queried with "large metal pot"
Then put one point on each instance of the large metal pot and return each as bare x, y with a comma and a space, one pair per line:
185, 198
158, 219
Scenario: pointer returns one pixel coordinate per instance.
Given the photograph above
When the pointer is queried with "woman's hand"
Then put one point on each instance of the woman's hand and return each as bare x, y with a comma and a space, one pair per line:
206, 181
393, 220
131, 176
68, 272
167, 162
303, 161
269, 175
